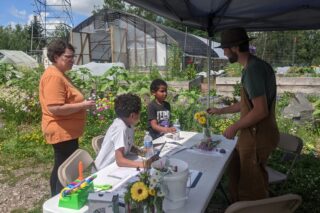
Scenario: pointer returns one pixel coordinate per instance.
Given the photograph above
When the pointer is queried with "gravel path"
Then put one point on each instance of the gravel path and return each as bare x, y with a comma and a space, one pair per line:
23, 189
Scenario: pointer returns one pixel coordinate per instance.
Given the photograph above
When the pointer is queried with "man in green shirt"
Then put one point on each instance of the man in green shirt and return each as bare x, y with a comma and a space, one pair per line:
258, 131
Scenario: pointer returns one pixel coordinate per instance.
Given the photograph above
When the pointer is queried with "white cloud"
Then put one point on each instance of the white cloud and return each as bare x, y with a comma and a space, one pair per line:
83, 7
13, 24
18, 13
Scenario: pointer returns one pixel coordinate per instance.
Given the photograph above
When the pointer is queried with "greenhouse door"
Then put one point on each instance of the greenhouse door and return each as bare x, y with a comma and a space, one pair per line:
119, 45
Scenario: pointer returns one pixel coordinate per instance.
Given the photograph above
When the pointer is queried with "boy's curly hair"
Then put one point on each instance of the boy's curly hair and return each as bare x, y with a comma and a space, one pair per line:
126, 104
156, 83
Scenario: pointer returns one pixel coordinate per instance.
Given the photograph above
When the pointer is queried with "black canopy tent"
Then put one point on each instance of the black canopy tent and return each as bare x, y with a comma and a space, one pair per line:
253, 15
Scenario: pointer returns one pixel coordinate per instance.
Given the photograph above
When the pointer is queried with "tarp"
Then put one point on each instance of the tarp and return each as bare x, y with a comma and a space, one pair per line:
254, 15
98, 69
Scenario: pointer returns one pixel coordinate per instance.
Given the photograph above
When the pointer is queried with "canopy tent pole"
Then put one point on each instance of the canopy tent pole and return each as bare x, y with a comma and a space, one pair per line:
210, 36
209, 68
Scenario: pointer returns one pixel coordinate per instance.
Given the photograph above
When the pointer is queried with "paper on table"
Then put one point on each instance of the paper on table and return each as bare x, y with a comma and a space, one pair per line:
123, 172
214, 152
116, 176
170, 149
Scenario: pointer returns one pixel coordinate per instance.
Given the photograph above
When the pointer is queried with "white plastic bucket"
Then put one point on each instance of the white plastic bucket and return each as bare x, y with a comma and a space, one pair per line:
175, 185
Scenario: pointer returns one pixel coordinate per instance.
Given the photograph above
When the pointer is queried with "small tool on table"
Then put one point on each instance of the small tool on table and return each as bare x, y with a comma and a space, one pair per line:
103, 187
158, 153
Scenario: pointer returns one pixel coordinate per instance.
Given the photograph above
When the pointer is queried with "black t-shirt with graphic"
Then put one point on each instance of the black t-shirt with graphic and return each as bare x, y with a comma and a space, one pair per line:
159, 112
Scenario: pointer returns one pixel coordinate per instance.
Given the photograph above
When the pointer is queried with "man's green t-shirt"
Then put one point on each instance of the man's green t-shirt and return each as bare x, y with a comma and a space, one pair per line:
259, 79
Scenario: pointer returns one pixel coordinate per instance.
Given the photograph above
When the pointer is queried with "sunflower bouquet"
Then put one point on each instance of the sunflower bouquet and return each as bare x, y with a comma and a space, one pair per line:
145, 194
201, 118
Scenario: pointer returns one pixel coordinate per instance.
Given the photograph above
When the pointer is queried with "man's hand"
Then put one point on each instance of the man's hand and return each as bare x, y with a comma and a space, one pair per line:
213, 111
230, 132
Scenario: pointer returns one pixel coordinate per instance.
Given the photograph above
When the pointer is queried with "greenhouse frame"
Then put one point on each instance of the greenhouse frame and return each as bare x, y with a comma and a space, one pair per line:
114, 36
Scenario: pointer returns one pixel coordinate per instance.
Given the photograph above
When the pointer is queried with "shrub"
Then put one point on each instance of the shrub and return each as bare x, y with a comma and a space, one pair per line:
191, 71
19, 106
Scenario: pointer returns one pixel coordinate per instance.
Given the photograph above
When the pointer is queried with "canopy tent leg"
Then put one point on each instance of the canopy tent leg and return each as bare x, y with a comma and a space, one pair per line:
209, 69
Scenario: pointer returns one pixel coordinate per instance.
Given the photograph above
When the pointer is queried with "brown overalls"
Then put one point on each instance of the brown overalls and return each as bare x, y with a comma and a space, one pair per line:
248, 178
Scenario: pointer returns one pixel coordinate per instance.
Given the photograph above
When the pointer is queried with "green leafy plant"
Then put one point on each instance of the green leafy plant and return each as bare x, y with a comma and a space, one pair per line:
233, 70
191, 71
7, 73
316, 106
154, 73
174, 62
236, 89
18, 106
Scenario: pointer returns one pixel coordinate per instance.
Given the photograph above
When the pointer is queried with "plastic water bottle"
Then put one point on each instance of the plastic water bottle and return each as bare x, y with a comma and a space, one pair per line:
148, 145
176, 125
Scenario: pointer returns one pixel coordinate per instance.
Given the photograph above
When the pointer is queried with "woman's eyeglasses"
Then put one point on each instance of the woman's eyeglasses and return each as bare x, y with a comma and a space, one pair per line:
69, 56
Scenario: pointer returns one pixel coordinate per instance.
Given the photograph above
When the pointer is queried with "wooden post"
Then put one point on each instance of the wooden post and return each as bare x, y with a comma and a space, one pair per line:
155, 46
135, 43
112, 44
145, 45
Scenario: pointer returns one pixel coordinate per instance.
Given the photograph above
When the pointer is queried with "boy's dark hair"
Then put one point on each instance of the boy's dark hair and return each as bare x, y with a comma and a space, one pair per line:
57, 48
156, 83
126, 104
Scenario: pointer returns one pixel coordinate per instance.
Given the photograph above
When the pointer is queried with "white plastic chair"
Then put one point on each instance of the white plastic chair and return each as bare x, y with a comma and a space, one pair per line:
68, 170
96, 143
282, 204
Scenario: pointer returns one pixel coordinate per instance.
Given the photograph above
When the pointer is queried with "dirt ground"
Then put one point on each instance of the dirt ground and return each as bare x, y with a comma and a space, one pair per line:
24, 189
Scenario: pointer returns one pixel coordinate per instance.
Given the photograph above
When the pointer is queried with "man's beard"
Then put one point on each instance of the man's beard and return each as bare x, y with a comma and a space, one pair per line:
233, 58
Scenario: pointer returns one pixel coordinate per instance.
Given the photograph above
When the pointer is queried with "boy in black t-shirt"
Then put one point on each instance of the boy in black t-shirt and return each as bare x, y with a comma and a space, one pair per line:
159, 110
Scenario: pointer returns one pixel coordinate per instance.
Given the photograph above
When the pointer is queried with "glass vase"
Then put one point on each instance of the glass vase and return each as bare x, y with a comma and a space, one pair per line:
206, 134
141, 208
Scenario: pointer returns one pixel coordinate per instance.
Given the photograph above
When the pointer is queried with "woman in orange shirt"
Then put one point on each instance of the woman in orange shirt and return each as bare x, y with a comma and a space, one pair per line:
63, 107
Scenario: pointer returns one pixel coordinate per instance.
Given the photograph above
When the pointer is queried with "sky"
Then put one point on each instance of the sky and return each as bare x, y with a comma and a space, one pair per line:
22, 11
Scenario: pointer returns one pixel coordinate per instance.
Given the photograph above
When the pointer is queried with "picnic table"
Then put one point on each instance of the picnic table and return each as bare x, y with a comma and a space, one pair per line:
211, 165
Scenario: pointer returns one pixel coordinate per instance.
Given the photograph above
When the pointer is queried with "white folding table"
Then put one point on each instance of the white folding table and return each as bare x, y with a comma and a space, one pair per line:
211, 164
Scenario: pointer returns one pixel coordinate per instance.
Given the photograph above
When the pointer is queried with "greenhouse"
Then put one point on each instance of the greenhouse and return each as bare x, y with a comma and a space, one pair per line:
113, 36
18, 58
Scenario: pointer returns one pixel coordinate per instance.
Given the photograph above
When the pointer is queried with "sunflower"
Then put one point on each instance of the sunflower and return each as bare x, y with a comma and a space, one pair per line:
152, 192
197, 116
139, 191
202, 120
202, 113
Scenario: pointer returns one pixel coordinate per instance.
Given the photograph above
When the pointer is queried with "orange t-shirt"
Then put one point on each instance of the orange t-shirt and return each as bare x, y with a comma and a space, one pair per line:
55, 88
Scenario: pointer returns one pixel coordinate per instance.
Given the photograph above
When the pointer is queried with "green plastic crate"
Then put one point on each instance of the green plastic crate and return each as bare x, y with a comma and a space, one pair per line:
77, 199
